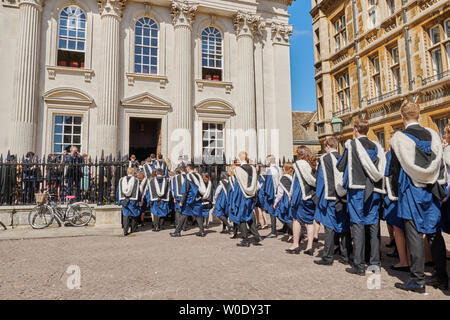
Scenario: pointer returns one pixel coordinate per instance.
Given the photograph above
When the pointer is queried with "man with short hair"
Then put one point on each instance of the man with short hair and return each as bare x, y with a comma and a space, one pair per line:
363, 164
418, 173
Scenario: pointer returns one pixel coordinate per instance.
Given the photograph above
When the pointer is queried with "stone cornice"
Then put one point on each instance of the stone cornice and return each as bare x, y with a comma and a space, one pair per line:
111, 7
35, 3
281, 32
248, 24
183, 13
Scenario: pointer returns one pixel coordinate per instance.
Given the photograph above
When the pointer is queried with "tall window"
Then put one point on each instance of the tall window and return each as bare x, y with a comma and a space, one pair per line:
437, 61
395, 69
391, 6
146, 46
213, 142
435, 35
340, 32
343, 92
72, 37
212, 54
376, 75
373, 13
66, 133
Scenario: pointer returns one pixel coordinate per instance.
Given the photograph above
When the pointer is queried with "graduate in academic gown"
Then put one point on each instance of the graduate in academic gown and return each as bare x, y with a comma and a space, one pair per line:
331, 210
177, 183
243, 199
270, 187
143, 182
418, 173
192, 192
303, 197
129, 197
148, 170
445, 210
363, 164
207, 198
281, 204
220, 208
161, 164
232, 209
158, 193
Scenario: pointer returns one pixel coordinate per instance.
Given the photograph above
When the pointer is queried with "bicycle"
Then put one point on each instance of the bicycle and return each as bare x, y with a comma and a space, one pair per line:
77, 214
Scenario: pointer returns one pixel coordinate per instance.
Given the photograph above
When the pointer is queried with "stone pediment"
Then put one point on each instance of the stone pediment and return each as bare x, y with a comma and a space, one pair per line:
146, 100
215, 106
67, 96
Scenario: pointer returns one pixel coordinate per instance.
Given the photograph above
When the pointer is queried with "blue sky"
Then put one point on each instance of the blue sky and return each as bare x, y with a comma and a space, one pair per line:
302, 57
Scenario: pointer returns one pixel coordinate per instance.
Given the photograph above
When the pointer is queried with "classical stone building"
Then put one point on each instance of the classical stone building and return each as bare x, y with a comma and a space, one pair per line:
142, 76
371, 55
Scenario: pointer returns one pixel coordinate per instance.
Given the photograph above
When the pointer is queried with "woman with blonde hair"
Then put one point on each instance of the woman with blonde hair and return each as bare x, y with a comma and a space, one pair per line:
302, 194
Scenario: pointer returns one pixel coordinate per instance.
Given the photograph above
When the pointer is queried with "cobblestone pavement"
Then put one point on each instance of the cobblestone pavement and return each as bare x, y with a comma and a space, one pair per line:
151, 265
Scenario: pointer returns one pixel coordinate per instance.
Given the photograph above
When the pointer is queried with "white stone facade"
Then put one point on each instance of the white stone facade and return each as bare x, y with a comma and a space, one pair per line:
253, 92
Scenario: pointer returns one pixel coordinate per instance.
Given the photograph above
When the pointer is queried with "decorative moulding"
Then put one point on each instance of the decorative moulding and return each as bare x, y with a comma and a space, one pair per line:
209, 83
146, 100
68, 96
132, 77
52, 71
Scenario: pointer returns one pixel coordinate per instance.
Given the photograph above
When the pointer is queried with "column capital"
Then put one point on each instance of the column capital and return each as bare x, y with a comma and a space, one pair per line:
281, 32
111, 7
183, 13
248, 24
35, 3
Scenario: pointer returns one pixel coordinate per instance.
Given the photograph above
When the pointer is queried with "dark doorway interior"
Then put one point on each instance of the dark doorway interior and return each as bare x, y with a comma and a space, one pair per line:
145, 136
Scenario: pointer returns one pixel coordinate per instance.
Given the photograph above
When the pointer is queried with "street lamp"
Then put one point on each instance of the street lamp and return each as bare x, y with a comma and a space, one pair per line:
337, 125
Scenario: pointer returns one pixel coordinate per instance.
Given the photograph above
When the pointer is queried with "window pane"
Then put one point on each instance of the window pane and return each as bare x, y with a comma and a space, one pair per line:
57, 138
76, 130
67, 139
57, 148
67, 129
76, 139
58, 129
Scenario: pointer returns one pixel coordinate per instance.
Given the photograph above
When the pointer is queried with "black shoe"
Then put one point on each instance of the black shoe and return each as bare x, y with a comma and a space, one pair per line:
345, 262
357, 271
235, 236
125, 234
309, 252
429, 264
175, 234
293, 251
323, 262
315, 240
411, 286
402, 269
391, 244
258, 239
243, 244
437, 284
200, 234
224, 231
271, 235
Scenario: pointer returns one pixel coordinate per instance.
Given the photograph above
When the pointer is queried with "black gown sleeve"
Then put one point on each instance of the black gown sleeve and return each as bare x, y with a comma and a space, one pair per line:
342, 163
394, 171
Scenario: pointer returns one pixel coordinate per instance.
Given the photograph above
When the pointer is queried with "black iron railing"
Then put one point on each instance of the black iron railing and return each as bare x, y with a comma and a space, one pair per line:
436, 77
92, 181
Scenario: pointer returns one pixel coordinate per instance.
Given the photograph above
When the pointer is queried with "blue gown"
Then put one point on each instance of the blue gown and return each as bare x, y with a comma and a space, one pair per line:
301, 210
260, 197
191, 206
132, 209
220, 207
242, 207
158, 208
361, 212
283, 211
418, 204
232, 208
269, 196
326, 213
174, 189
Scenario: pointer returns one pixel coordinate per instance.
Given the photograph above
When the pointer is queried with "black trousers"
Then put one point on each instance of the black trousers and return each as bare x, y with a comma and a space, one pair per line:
359, 244
341, 239
127, 221
183, 220
273, 224
252, 226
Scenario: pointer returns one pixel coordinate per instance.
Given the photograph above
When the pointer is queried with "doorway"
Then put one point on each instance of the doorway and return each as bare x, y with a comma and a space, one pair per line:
145, 137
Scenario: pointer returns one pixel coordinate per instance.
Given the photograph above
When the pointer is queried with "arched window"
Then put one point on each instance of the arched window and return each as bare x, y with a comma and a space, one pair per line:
146, 46
72, 37
212, 54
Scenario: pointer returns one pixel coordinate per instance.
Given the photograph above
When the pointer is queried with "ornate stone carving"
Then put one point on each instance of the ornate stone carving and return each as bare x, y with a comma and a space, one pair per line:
183, 13
248, 24
425, 4
281, 32
111, 7
37, 3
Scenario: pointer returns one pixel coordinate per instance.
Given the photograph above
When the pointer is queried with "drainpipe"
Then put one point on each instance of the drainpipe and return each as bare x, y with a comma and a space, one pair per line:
358, 62
408, 49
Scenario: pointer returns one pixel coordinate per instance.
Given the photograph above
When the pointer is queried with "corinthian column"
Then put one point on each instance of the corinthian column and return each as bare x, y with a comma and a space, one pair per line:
108, 108
183, 15
247, 26
25, 77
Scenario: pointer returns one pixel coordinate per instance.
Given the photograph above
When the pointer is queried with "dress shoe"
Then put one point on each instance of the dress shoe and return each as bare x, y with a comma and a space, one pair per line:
344, 261
258, 239
309, 252
402, 269
354, 270
243, 244
293, 251
411, 286
125, 234
438, 284
315, 240
323, 262
224, 231
391, 244
175, 234
235, 236
200, 234
271, 235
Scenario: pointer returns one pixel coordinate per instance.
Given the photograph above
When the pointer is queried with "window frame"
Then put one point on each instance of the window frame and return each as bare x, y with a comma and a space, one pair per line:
343, 91
150, 47
63, 134
208, 55
340, 32
209, 123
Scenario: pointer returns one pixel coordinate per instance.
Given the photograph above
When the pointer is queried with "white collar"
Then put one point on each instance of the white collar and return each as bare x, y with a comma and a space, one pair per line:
362, 136
411, 124
243, 162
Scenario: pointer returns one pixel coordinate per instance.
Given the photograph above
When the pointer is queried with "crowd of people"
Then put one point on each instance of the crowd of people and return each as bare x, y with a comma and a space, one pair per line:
346, 193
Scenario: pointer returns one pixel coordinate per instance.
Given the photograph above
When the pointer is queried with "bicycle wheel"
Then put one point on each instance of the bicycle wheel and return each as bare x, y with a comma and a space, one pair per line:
79, 214
41, 216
